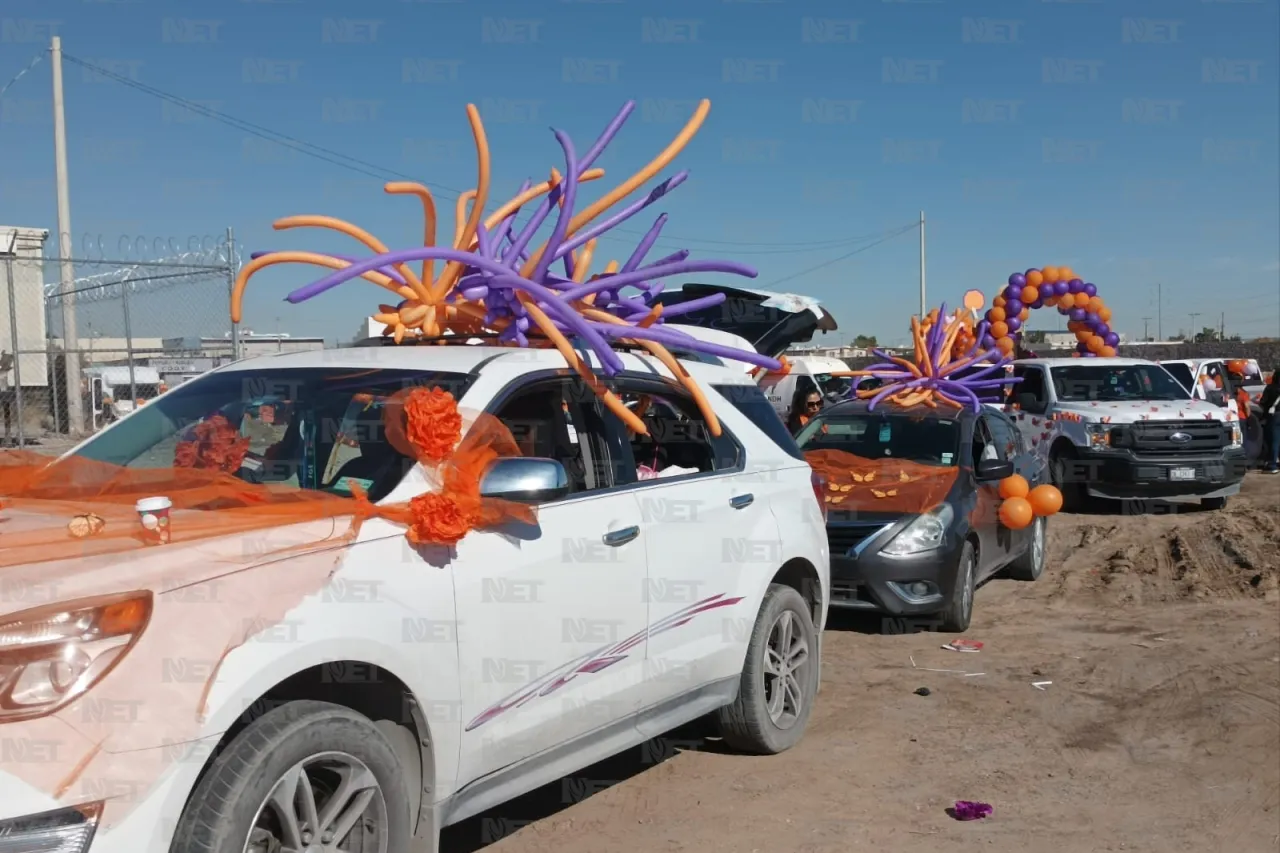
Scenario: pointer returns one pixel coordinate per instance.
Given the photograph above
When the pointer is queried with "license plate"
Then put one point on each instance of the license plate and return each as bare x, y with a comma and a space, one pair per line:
1182, 473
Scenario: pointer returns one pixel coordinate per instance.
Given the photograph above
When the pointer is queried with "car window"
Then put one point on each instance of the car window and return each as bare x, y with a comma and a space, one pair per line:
751, 402
884, 435
1182, 373
679, 442
984, 445
1003, 436
295, 420
1032, 385
562, 419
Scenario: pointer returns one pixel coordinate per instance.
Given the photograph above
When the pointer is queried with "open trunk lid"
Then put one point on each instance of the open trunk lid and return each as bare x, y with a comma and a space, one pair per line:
769, 322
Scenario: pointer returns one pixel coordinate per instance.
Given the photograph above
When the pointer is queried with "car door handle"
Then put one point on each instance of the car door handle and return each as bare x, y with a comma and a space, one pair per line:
614, 538
741, 501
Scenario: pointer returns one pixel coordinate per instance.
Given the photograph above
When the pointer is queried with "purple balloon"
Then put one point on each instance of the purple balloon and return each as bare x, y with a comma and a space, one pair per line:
1013, 307
1077, 314
1017, 280
1103, 328
1039, 303
1111, 339
1091, 318
1046, 290
1012, 293
1061, 288
1065, 309
1091, 289
1075, 285
1014, 324
988, 342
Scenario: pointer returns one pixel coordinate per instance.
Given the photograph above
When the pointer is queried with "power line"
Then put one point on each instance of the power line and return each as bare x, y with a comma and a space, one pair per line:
383, 173
18, 76
903, 230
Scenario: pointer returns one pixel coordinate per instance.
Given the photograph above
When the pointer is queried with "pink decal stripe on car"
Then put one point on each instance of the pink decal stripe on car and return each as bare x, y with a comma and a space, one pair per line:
598, 660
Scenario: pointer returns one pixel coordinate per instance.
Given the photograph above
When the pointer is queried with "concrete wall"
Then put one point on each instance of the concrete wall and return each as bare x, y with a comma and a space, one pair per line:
27, 265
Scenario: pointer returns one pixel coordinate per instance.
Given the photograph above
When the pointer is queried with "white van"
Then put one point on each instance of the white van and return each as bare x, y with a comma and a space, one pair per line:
112, 390
810, 374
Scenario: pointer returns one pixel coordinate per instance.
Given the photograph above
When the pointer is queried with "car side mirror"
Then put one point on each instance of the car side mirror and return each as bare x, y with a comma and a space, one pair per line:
525, 479
993, 469
1217, 397
1028, 403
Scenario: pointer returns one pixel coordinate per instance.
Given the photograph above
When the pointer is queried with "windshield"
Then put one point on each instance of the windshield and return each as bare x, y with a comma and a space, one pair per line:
834, 387
1116, 383
877, 435
312, 428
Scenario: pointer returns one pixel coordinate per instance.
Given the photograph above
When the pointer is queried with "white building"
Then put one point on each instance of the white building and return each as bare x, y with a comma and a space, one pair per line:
22, 254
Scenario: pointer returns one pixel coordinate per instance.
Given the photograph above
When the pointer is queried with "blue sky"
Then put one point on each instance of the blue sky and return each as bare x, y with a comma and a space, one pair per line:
1136, 142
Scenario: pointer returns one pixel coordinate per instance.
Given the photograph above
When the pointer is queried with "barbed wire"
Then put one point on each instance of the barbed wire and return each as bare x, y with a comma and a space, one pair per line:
188, 266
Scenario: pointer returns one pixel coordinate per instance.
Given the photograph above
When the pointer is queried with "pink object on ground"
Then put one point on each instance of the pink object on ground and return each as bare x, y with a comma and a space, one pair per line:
966, 810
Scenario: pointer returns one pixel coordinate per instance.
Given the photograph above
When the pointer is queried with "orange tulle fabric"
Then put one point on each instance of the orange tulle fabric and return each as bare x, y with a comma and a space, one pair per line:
857, 484
41, 496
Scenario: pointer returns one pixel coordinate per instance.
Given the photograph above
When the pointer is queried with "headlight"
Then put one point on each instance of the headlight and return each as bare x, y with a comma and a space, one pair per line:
924, 534
51, 655
1237, 435
63, 831
1099, 436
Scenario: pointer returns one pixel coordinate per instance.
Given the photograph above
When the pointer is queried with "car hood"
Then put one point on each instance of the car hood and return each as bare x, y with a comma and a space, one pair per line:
1143, 410
770, 322
161, 569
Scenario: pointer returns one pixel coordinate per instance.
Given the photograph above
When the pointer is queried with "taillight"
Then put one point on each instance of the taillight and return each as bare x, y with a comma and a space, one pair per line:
820, 492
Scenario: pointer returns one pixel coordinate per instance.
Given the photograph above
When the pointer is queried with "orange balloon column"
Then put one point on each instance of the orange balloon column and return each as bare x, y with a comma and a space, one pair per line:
1054, 287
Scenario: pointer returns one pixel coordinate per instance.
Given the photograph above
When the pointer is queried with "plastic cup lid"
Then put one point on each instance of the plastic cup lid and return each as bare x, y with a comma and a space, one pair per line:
153, 504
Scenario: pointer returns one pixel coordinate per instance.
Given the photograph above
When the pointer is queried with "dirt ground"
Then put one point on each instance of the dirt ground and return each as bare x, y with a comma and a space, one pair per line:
1160, 731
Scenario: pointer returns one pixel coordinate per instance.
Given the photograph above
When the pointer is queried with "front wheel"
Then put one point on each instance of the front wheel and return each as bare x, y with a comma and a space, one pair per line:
1030, 564
1214, 503
307, 776
955, 619
779, 679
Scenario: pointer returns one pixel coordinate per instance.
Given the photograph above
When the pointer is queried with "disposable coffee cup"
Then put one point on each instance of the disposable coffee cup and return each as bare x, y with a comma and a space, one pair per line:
153, 515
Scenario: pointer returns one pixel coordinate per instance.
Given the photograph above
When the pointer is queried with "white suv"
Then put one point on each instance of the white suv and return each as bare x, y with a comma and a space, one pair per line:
290, 689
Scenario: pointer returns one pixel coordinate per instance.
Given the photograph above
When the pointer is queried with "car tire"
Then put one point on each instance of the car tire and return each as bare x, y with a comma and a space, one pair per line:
245, 788
1030, 564
1073, 495
955, 619
1214, 503
779, 678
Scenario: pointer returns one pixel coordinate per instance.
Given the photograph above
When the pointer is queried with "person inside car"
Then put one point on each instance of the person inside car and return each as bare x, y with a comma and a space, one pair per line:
804, 407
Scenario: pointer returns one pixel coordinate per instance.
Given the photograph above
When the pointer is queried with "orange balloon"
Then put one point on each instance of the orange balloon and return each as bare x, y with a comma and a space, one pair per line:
995, 315
1005, 345
1051, 274
1065, 274
1107, 352
1083, 335
1045, 500
998, 302
1014, 486
1034, 278
1024, 314
999, 329
1082, 299
1104, 313
1073, 326
1095, 304
1030, 294
1016, 513
1095, 344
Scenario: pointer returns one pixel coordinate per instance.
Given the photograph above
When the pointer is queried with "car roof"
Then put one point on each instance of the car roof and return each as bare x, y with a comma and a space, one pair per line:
464, 358
860, 407
1089, 362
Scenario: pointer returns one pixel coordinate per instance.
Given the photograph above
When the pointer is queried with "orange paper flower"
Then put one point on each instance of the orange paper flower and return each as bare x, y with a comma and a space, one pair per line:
442, 519
217, 446
432, 423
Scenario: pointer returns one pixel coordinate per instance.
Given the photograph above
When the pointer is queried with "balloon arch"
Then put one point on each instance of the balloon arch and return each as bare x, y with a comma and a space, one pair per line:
1052, 287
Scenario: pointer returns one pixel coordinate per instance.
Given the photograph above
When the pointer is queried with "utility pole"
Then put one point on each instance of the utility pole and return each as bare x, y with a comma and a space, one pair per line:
1159, 313
1222, 326
1145, 321
67, 272
1193, 316
923, 310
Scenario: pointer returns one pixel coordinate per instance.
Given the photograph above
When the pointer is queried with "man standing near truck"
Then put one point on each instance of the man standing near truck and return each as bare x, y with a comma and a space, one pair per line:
1271, 420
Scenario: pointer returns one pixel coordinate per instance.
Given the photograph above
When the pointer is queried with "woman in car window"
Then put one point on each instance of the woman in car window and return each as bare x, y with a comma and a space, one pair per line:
804, 407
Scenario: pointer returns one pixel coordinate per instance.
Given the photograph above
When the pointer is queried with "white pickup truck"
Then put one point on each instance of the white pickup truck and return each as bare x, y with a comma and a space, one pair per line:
1120, 428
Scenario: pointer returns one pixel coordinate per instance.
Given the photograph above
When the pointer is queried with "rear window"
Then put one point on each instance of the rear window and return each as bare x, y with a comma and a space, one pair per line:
751, 402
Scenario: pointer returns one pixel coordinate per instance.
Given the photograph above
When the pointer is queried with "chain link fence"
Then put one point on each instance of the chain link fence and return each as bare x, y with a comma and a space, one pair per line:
85, 341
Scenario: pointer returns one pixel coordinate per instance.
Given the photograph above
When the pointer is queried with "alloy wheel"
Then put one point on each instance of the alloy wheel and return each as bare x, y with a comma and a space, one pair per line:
327, 803
786, 670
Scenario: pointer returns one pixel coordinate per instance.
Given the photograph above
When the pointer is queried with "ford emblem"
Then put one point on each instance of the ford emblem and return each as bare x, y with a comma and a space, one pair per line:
1180, 438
